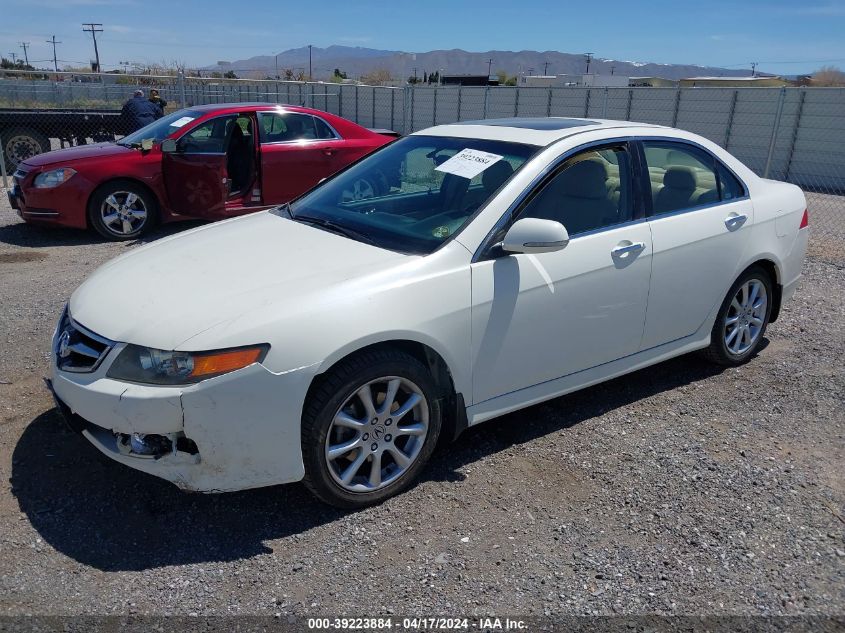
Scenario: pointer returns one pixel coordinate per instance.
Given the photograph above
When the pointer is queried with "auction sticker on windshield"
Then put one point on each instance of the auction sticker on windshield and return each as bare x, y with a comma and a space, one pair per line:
183, 121
468, 163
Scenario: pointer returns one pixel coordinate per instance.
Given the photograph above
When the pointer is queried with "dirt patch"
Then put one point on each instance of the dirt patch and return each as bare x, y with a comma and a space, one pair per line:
21, 257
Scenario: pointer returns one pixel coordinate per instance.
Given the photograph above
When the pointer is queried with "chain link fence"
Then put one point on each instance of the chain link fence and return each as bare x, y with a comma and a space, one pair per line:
791, 134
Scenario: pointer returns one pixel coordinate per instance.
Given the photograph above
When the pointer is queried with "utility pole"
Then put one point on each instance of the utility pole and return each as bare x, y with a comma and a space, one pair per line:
24, 46
489, 67
589, 58
55, 62
546, 68
14, 57
310, 76
612, 68
415, 74
530, 71
753, 69
93, 30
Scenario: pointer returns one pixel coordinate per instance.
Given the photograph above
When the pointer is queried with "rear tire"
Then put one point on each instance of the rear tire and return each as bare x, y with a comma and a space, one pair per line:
346, 436
742, 319
122, 210
19, 143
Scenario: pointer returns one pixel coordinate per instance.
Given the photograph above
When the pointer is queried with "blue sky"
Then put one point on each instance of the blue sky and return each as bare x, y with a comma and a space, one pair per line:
784, 36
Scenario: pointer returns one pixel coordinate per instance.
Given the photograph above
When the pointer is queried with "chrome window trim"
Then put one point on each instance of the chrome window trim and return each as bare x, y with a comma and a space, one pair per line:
261, 113
486, 243
746, 192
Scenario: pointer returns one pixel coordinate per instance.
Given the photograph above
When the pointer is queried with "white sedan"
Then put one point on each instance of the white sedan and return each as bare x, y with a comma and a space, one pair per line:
485, 267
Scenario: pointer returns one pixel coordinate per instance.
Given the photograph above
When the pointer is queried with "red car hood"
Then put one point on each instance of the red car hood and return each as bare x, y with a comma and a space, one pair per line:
80, 152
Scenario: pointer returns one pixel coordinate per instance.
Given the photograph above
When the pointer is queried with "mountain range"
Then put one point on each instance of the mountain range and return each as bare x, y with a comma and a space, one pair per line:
356, 61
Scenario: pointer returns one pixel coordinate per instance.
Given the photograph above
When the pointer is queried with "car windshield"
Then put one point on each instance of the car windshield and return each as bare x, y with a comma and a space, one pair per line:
162, 128
413, 194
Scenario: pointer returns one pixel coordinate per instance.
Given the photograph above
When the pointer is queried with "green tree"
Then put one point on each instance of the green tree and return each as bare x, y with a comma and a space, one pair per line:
230, 74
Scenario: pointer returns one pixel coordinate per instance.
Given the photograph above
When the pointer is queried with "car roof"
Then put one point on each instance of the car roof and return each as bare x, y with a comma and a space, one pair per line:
257, 105
539, 131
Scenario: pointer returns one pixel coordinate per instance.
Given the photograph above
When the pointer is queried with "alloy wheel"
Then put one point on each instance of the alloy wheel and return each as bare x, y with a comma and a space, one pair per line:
123, 212
745, 317
377, 434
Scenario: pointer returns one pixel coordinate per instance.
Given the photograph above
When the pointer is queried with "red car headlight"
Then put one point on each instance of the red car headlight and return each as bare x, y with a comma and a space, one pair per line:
53, 178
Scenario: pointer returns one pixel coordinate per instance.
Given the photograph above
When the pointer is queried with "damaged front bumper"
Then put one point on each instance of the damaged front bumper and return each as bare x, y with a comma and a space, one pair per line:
237, 431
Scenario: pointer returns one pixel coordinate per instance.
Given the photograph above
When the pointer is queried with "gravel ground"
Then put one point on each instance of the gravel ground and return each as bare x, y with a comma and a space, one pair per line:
680, 489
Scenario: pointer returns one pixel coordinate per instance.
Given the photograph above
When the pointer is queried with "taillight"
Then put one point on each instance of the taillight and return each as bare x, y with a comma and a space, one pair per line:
805, 220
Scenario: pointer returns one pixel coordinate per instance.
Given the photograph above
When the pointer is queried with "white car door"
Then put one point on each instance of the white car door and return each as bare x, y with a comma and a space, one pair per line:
700, 224
537, 317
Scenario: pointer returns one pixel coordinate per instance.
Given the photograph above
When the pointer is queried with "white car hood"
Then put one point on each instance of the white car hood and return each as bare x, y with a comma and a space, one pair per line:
163, 294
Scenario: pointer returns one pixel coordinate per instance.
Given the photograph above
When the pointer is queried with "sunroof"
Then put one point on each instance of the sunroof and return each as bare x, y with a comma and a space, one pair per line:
534, 123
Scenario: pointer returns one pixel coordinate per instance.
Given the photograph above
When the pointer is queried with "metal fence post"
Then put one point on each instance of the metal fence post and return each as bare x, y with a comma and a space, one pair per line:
3, 170
730, 124
628, 108
604, 104
795, 133
587, 103
357, 99
180, 78
406, 109
516, 103
413, 97
486, 101
459, 102
434, 109
549, 103
374, 106
677, 107
392, 108
775, 129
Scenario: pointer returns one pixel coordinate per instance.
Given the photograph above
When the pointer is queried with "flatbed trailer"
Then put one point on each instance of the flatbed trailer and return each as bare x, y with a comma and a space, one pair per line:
24, 133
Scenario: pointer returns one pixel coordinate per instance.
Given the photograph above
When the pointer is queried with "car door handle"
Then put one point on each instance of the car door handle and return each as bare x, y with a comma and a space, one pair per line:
626, 247
735, 220
328, 152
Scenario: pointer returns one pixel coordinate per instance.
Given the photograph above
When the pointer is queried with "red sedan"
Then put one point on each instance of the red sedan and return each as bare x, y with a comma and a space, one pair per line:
212, 162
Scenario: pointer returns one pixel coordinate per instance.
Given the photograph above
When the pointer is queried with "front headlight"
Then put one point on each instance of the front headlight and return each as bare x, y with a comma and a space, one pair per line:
160, 367
53, 178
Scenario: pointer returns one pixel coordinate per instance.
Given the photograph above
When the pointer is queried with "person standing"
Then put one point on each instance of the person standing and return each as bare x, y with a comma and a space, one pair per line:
138, 112
155, 97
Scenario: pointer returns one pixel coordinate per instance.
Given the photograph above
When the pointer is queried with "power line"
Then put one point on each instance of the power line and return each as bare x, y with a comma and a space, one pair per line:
53, 41
93, 30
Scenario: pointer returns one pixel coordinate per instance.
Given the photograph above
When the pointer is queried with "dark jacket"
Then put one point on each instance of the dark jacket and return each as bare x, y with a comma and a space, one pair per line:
161, 103
138, 112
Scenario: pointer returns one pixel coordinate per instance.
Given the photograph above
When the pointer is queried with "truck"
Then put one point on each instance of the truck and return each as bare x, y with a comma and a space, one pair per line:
24, 133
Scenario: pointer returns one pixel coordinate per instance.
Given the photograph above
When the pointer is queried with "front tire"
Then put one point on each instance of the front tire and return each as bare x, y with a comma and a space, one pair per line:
122, 210
369, 427
742, 319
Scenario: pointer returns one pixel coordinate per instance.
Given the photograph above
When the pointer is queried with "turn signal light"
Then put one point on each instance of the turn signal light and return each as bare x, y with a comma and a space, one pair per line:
805, 220
224, 362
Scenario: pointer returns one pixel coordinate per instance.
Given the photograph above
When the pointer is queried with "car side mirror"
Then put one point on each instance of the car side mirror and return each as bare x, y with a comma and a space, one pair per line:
168, 146
533, 235
147, 144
